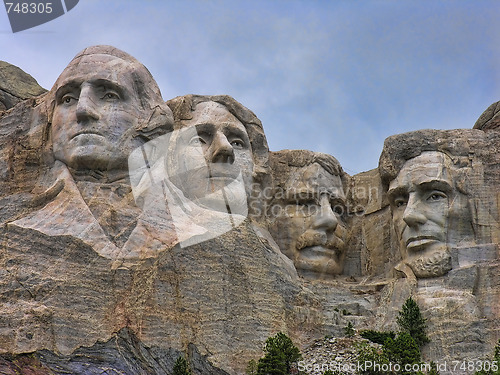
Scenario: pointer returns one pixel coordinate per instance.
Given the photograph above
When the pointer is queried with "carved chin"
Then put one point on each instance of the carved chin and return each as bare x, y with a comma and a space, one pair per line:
435, 265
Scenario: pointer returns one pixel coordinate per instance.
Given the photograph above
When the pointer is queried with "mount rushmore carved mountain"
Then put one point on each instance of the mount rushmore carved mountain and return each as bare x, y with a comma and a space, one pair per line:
135, 230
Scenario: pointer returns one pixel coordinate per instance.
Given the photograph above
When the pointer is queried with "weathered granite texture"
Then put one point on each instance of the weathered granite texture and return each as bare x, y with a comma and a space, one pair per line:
16, 86
122, 354
489, 119
135, 230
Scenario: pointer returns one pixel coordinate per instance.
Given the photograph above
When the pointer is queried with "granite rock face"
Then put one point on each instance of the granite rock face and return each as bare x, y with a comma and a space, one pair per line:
16, 85
136, 230
489, 119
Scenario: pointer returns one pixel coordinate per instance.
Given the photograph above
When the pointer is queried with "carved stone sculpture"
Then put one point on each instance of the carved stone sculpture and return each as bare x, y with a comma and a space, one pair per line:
104, 105
429, 203
307, 213
442, 187
203, 171
251, 159
134, 231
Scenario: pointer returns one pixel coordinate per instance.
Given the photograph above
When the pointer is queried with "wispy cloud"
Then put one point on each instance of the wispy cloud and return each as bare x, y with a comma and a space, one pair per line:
336, 77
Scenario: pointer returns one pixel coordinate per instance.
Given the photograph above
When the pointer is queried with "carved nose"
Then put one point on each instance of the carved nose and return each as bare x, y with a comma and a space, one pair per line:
412, 216
325, 219
221, 149
86, 108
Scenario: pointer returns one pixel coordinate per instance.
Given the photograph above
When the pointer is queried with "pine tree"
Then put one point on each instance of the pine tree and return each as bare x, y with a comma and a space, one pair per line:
251, 367
433, 370
349, 330
280, 356
181, 367
410, 320
403, 350
273, 363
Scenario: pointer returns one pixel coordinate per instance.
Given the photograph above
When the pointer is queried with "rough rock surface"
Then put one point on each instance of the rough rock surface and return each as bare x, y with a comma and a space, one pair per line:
90, 281
16, 85
339, 355
489, 119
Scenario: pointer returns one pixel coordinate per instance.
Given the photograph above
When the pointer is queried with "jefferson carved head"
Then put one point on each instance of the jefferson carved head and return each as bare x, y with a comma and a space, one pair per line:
218, 142
307, 214
429, 197
103, 105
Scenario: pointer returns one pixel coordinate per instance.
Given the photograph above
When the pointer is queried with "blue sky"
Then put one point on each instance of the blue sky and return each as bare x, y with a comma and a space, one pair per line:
331, 76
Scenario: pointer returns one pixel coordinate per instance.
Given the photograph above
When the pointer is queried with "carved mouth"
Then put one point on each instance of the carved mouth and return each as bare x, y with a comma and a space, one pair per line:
319, 251
223, 172
416, 243
89, 132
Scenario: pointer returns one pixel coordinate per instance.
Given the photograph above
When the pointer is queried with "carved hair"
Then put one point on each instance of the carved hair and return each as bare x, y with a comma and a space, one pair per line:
400, 148
283, 159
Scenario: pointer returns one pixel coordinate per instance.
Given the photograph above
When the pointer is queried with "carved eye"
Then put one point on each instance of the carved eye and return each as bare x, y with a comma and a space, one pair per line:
68, 99
437, 196
197, 141
111, 95
237, 143
400, 202
307, 207
338, 209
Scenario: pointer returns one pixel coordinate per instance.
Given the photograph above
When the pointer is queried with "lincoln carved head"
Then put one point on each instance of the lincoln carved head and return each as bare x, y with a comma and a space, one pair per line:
428, 192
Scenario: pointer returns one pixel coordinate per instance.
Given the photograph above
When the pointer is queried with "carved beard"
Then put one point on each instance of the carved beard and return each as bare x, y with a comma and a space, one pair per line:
437, 264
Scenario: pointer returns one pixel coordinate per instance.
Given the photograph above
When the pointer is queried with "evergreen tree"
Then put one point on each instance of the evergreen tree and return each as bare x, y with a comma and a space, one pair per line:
273, 363
370, 354
403, 350
349, 330
433, 370
410, 320
280, 355
252, 367
181, 367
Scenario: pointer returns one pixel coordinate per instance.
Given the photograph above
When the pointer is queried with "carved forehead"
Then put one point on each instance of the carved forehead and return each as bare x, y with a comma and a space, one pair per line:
214, 114
314, 178
427, 167
99, 66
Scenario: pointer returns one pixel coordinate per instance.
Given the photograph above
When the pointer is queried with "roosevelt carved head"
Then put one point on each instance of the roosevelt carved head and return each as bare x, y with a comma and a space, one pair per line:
307, 213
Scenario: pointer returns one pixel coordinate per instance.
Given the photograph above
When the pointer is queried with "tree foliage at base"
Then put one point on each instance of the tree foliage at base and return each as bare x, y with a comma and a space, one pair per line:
370, 354
410, 320
280, 356
181, 367
252, 367
349, 330
403, 350
376, 336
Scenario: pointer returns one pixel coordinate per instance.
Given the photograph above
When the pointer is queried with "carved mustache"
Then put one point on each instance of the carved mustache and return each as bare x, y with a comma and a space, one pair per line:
313, 238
